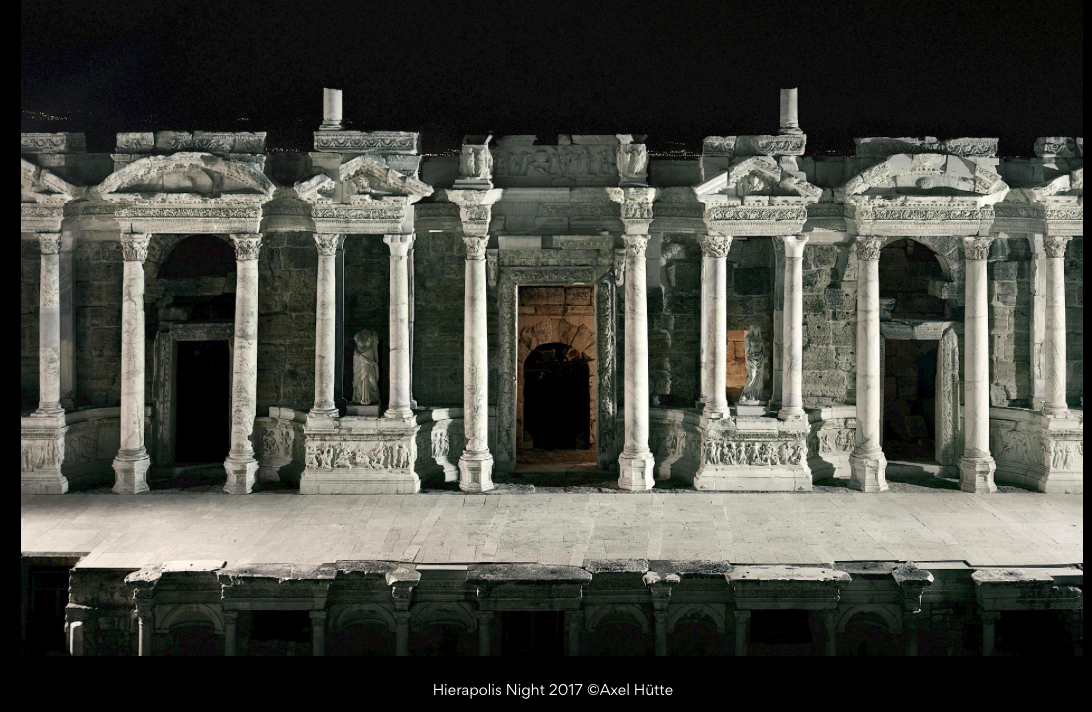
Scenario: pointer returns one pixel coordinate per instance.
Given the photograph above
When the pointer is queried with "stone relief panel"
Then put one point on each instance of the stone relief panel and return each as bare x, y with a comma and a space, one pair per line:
41, 454
724, 449
360, 454
595, 164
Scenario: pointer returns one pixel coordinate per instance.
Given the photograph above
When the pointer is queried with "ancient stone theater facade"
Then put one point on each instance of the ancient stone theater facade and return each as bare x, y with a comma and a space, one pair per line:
362, 319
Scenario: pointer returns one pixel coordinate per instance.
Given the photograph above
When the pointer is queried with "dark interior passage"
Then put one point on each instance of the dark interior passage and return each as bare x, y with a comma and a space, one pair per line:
203, 397
909, 400
532, 633
556, 400
46, 594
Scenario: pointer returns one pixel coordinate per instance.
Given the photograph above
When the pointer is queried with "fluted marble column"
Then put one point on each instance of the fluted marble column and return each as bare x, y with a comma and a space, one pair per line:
49, 326
977, 466
1054, 361
326, 354
714, 248
635, 464
240, 464
792, 339
399, 405
476, 462
867, 464
132, 461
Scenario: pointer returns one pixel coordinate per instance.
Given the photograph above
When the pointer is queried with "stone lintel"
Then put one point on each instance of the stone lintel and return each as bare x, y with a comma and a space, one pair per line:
1023, 589
784, 587
526, 573
52, 143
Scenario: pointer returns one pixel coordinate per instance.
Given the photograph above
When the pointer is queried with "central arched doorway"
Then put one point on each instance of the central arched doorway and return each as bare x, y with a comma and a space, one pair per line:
556, 406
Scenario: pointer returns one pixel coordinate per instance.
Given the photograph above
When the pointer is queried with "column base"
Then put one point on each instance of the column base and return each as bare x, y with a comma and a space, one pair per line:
1055, 411
476, 471
42, 454
325, 412
715, 411
48, 410
868, 471
792, 414
635, 472
405, 413
976, 474
241, 475
131, 472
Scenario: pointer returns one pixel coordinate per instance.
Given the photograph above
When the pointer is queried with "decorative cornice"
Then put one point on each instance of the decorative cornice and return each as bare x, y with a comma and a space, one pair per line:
49, 242
715, 244
247, 246
977, 247
1054, 245
371, 142
134, 246
868, 248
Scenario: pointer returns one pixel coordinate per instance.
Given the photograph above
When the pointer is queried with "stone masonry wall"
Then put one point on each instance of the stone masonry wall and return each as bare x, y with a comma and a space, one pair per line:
29, 277
830, 325
439, 286
674, 324
97, 321
1074, 321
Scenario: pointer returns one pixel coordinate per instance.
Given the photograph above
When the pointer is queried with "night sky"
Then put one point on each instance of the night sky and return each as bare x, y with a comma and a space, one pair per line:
675, 71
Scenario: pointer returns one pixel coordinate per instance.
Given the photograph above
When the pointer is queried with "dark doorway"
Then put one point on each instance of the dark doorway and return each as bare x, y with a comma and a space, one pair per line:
556, 400
194, 640
532, 633
47, 597
1033, 634
203, 392
909, 395
276, 633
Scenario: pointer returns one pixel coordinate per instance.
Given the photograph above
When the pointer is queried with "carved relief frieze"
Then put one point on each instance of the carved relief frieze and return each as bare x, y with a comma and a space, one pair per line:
360, 454
673, 441
41, 450
595, 163
832, 441
371, 142
277, 441
81, 443
728, 448
1067, 455
1014, 445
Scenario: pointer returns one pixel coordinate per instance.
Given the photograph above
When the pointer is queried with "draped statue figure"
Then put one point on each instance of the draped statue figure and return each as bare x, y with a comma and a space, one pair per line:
366, 367
756, 367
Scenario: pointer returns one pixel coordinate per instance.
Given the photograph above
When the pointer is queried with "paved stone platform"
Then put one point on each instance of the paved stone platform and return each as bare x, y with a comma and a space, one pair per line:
1003, 529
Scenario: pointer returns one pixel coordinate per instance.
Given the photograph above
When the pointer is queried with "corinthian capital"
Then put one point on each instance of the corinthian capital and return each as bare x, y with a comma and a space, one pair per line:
977, 248
636, 205
247, 245
1054, 245
715, 244
400, 244
475, 246
327, 244
475, 208
134, 246
868, 247
635, 244
49, 242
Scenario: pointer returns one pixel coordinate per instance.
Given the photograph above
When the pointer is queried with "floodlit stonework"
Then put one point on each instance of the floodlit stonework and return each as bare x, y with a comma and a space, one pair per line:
915, 309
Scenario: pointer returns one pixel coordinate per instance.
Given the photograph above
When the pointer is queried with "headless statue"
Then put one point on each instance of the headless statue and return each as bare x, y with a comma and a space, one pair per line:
756, 367
366, 368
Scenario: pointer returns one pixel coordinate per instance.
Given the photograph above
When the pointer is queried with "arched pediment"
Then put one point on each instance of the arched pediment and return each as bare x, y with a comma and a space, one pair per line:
927, 175
187, 177
366, 176
758, 176
39, 185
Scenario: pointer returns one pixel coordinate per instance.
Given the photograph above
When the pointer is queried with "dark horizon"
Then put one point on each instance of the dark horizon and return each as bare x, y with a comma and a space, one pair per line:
676, 73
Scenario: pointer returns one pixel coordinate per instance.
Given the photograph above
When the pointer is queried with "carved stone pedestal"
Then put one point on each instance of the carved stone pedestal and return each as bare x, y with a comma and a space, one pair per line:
868, 471
131, 470
241, 475
41, 455
360, 456
760, 454
976, 474
635, 472
475, 471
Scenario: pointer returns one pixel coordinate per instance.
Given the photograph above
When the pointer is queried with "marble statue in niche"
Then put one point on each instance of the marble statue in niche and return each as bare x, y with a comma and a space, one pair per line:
366, 367
756, 367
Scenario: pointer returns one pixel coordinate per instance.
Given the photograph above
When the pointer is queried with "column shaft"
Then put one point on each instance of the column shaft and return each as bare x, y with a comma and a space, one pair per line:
401, 633
660, 618
635, 464
49, 326
399, 405
326, 355
705, 386
792, 399
144, 633
132, 461
830, 625
476, 462
1055, 344
240, 464
868, 466
318, 633
976, 467
715, 288
231, 619
484, 633
743, 621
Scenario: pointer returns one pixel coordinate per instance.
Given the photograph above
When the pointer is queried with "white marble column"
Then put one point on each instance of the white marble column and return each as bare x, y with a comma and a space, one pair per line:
1054, 341
326, 354
240, 464
132, 461
49, 326
476, 462
704, 386
1037, 269
867, 464
714, 248
635, 464
399, 405
67, 333
792, 339
977, 466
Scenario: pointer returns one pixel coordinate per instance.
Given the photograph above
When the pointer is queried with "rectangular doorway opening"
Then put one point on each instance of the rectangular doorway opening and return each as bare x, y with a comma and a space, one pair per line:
556, 379
532, 633
203, 402
909, 394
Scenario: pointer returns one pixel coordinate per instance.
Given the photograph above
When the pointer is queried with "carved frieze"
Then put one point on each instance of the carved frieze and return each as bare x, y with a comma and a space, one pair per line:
277, 441
718, 146
1058, 146
81, 443
52, 143
579, 164
757, 213
670, 440
367, 142
43, 451
722, 448
882, 147
360, 454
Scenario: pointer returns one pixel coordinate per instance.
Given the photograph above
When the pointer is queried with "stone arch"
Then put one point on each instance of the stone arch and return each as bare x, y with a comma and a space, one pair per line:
216, 248
443, 614
926, 174
191, 614
179, 172
622, 612
904, 255
871, 613
560, 330
687, 611
369, 613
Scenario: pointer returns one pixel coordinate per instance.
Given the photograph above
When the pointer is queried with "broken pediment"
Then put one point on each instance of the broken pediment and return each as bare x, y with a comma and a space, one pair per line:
184, 177
758, 176
38, 185
367, 178
929, 175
